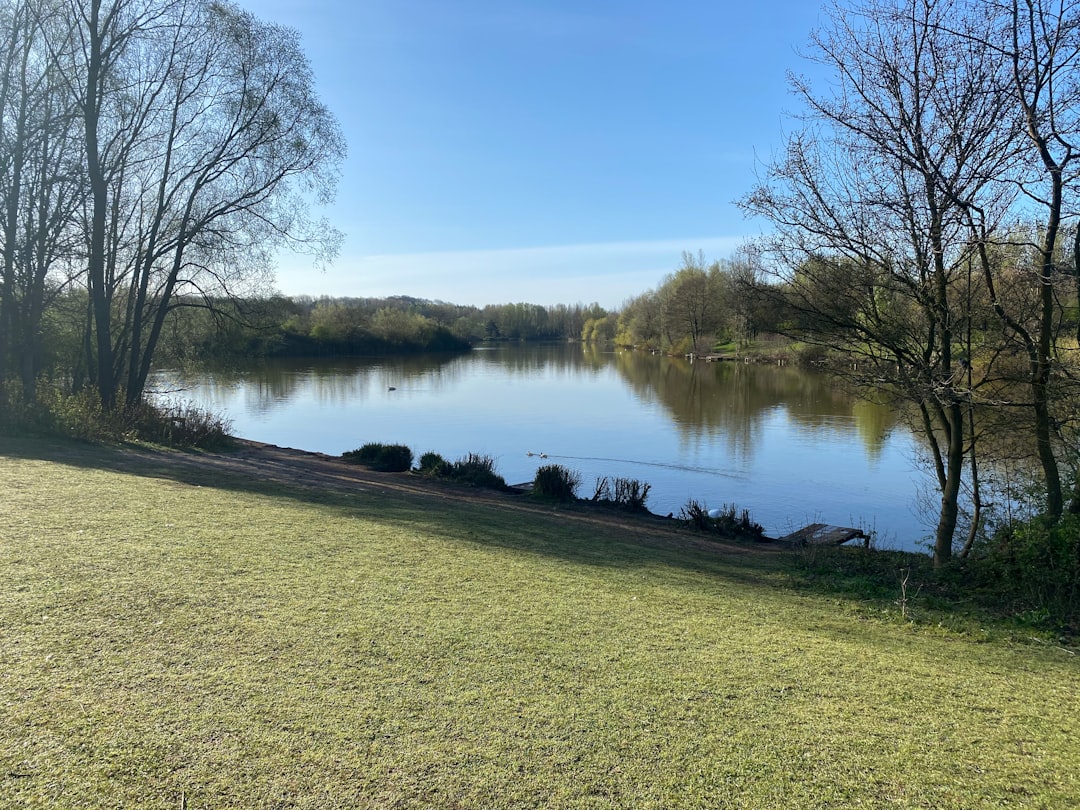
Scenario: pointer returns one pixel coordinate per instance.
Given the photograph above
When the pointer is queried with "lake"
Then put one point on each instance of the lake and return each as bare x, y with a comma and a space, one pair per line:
786, 444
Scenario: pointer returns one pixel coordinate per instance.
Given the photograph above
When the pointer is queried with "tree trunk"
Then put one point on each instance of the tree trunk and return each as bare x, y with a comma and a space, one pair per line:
106, 379
950, 493
1041, 370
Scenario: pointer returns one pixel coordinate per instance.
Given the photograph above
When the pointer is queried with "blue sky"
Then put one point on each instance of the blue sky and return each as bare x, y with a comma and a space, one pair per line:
549, 151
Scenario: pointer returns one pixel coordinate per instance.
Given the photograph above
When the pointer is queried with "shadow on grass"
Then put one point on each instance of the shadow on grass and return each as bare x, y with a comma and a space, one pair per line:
869, 583
576, 534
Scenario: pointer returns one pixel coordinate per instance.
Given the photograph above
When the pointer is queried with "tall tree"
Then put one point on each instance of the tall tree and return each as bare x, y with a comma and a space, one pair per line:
869, 239
204, 141
1041, 42
40, 185
691, 298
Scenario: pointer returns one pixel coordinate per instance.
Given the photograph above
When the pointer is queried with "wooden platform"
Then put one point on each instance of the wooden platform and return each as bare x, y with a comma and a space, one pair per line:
822, 534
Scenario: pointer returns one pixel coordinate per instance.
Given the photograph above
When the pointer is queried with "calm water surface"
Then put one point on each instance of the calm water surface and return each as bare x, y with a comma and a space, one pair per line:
785, 444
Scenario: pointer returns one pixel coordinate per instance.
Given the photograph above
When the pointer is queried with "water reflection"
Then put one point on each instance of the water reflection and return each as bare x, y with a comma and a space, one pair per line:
733, 400
791, 446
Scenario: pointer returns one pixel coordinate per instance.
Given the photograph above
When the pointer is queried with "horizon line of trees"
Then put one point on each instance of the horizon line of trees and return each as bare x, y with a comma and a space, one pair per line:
328, 325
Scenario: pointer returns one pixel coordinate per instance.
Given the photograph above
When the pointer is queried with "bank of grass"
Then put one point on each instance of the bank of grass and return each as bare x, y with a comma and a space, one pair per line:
172, 640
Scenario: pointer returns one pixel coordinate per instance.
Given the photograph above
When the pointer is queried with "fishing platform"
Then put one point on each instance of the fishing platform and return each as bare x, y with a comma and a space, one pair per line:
822, 534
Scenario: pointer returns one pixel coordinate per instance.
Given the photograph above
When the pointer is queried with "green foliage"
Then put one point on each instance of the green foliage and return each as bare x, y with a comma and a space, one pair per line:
555, 482
405, 324
15, 412
228, 330
683, 346
1035, 566
77, 415
810, 355
727, 522
623, 493
381, 457
599, 330
533, 322
640, 321
402, 328
434, 465
695, 306
477, 470
80, 415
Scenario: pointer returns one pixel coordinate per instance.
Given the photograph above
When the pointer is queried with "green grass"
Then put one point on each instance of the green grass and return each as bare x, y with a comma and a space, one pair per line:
172, 640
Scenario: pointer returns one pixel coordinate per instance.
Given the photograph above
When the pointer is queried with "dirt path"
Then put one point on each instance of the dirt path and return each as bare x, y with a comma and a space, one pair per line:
289, 467
254, 464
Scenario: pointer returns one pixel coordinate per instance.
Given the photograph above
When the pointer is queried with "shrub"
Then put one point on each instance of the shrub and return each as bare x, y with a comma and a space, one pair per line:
557, 483
365, 454
696, 516
475, 470
15, 416
602, 490
395, 458
727, 522
624, 493
79, 415
181, 425
631, 494
1035, 565
737, 525
478, 471
381, 457
434, 465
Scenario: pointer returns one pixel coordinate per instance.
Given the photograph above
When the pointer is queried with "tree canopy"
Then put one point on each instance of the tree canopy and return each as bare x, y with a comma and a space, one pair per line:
896, 214
156, 153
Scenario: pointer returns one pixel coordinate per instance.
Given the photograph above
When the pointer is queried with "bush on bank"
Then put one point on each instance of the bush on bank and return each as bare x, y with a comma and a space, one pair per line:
623, 493
727, 522
1033, 567
555, 482
381, 457
79, 415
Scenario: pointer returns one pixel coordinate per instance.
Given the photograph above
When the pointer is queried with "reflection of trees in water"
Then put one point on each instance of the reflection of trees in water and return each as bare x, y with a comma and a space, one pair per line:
342, 380
733, 400
271, 384
706, 401
529, 359
873, 423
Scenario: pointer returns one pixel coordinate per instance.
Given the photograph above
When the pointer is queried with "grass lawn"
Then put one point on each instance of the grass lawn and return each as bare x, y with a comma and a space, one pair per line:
176, 640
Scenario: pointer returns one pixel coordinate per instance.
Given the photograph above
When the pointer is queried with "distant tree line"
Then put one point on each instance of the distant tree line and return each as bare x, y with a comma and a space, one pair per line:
698, 307
306, 326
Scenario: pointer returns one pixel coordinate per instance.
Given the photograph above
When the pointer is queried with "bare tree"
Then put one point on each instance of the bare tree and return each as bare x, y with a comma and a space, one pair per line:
204, 142
1041, 43
39, 186
869, 239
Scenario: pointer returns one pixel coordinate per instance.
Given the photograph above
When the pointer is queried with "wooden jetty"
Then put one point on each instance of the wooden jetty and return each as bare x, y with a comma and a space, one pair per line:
822, 534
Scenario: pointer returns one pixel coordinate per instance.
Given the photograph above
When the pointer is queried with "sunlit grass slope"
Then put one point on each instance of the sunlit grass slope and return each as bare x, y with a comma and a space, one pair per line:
165, 643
